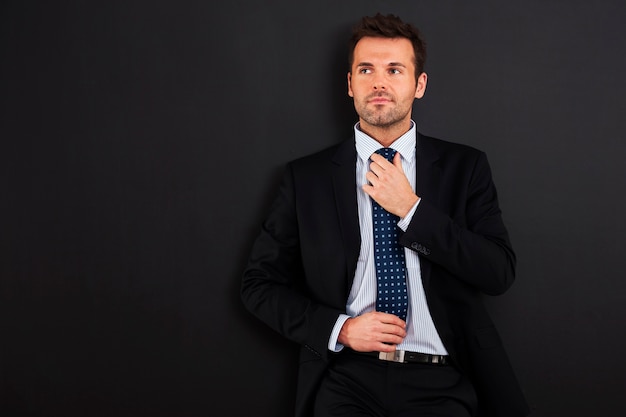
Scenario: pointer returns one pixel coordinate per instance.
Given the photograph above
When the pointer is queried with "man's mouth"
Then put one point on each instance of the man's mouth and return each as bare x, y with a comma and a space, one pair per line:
379, 99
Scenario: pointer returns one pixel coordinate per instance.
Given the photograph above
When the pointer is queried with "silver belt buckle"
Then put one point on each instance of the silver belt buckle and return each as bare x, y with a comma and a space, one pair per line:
395, 356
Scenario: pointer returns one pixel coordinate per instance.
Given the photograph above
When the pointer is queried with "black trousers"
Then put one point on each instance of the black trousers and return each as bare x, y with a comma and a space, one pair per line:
357, 385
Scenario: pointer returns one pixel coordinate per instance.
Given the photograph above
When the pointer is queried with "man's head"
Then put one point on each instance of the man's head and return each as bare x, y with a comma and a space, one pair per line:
386, 75
389, 26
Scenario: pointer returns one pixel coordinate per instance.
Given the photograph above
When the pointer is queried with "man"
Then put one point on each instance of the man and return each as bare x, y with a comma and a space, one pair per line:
313, 274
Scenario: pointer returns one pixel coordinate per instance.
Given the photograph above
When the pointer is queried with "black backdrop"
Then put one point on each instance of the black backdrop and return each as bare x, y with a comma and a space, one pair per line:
141, 142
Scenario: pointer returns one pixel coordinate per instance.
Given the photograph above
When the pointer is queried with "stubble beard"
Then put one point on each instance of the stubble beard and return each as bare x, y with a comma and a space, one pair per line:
382, 118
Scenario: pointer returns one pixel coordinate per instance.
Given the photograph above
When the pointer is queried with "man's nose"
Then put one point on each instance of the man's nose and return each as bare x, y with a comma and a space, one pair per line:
379, 82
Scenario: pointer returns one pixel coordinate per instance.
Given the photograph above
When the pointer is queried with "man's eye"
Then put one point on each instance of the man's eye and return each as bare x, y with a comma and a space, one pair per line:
365, 71
394, 71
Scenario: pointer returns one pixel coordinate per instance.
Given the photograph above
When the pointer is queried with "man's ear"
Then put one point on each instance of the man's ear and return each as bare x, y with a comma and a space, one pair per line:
350, 84
421, 85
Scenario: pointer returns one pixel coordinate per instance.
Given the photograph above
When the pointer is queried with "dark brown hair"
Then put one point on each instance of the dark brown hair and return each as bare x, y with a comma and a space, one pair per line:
389, 26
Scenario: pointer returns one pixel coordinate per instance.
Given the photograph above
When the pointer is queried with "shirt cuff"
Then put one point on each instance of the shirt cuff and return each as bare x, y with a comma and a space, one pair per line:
404, 222
333, 345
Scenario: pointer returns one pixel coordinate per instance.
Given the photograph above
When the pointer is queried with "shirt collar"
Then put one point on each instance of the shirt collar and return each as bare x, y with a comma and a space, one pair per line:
405, 144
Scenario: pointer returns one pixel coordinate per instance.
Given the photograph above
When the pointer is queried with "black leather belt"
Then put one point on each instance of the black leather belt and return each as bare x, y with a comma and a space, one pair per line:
405, 356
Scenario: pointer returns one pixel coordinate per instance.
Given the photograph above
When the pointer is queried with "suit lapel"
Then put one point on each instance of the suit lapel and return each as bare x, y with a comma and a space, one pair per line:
344, 187
428, 169
428, 180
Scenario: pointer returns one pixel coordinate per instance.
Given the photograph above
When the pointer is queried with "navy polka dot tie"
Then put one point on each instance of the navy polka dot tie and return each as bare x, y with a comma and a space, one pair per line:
389, 258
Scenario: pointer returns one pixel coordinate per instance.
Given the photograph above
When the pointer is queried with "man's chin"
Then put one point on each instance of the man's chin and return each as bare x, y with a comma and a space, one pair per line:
382, 121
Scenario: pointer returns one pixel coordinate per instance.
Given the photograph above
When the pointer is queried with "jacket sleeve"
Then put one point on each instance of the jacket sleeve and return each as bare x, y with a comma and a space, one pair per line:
274, 281
472, 244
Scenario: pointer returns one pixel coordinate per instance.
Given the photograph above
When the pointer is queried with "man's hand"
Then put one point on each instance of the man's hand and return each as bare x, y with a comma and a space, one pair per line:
373, 332
388, 185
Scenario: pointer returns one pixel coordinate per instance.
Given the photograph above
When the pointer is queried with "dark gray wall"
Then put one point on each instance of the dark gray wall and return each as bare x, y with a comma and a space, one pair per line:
141, 142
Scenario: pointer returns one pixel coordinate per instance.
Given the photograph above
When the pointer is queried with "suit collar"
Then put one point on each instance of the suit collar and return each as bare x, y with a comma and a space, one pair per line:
428, 168
428, 182
344, 188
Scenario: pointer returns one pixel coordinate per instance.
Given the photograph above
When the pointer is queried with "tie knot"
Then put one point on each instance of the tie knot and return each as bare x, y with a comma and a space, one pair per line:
388, 153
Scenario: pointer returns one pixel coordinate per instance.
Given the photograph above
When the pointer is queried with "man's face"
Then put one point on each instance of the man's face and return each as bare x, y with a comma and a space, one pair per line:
382, 82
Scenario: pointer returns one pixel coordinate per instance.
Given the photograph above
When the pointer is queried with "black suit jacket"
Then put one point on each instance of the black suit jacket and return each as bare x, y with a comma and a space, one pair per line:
302, 264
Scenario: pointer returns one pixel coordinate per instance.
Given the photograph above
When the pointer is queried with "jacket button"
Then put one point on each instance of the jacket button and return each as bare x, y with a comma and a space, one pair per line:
421, 249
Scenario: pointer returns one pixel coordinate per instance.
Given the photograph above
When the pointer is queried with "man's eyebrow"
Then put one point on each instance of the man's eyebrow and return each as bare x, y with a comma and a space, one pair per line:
391, 64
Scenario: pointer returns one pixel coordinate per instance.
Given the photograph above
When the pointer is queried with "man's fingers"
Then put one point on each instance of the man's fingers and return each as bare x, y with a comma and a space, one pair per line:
380, 160
381, 163
390, 319
397, 160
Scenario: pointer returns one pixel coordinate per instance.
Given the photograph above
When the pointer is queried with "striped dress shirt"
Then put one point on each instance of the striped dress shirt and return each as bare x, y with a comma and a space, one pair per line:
421, 333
